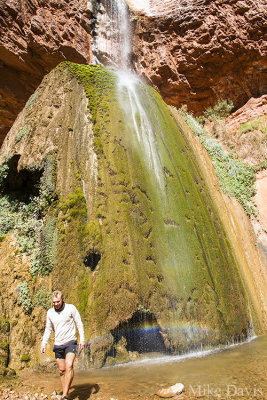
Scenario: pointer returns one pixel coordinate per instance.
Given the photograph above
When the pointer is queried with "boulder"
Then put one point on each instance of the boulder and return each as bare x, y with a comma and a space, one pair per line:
171, 391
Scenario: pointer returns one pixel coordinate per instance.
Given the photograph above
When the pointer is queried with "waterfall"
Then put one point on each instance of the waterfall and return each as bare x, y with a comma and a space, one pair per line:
111, 44
169, 212
134, 97
156, 7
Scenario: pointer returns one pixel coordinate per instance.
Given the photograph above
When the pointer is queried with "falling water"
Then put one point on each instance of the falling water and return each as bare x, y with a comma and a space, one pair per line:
152, 138
134, 97
156, 7
111, 45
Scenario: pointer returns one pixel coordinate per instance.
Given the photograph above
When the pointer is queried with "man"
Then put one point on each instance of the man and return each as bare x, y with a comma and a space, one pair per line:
61, 318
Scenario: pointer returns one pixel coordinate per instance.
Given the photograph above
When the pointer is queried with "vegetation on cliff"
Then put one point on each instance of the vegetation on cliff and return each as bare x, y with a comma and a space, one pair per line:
236, 177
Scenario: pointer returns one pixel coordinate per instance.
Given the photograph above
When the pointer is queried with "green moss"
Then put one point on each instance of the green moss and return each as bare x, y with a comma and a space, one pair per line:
258, 123
98, 83
32, 99
25, 358
4, 325
21, 133
162, 245
4, 346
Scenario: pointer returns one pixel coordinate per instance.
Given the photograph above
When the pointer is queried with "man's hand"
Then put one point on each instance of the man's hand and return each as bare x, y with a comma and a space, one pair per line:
43, 349
81, 346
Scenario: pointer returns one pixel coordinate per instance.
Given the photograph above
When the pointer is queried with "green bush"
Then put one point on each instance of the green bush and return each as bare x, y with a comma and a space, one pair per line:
24, 219
42, 298
24, 296
222, 109
236, 178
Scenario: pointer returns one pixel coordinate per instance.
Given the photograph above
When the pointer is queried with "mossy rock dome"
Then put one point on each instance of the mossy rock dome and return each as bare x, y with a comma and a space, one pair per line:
130, 232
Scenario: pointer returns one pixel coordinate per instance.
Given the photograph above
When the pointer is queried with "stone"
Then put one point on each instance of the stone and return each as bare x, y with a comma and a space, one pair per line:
188, 53
32, 42
171, 391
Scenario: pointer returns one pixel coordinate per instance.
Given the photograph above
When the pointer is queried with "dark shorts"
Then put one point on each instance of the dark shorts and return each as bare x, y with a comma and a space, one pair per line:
62, 350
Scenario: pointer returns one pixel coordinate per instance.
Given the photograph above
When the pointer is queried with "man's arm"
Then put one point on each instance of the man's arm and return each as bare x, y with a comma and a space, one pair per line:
79, 324
47, 333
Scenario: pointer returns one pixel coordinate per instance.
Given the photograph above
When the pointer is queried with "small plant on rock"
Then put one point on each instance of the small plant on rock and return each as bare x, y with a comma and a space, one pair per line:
222, 109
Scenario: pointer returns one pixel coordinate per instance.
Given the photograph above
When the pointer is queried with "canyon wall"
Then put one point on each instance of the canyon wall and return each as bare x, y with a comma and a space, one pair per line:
35, 36
193, 52
198, 51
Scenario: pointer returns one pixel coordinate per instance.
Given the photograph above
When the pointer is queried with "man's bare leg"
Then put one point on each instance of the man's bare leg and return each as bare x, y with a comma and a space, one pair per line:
69, 373
61, 369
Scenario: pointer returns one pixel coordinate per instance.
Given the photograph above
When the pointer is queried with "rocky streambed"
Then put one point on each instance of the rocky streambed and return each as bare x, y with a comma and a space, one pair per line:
235, 373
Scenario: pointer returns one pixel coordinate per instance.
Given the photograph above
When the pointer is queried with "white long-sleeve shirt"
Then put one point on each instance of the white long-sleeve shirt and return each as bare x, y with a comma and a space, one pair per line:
63, 324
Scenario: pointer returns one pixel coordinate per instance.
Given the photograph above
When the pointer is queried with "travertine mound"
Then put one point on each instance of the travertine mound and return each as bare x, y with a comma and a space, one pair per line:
131, 236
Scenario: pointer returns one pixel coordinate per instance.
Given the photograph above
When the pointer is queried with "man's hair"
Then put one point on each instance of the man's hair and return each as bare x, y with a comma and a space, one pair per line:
57, 293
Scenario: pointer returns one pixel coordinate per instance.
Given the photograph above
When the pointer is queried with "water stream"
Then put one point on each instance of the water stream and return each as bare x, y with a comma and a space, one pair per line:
111, 44
235, 373
172, 180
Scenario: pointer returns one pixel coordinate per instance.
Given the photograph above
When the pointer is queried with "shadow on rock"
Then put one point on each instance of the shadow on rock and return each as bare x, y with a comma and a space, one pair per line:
83, 392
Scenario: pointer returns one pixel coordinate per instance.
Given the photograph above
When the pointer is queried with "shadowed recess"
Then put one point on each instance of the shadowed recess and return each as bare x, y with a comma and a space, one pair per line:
22, 184
92, 259
142, 333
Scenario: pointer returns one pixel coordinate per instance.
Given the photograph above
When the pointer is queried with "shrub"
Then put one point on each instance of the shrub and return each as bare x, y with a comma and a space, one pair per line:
24, 296
236, 178
42, 298
24, 218
222, 109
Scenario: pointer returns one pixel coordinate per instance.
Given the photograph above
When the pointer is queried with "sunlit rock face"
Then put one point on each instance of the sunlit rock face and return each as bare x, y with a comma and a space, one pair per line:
193, 52
34, 37
110, 206
198, 51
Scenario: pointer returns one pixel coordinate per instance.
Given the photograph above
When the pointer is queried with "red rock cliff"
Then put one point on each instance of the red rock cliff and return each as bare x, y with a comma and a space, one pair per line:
198, 51
35, 35
193, 52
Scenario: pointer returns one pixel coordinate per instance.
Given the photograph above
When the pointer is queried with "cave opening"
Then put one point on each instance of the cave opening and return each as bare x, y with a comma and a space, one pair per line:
142, 334
21, 185
92, 259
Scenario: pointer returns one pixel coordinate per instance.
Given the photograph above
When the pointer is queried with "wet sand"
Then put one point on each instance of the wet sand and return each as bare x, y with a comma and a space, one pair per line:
235, 373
